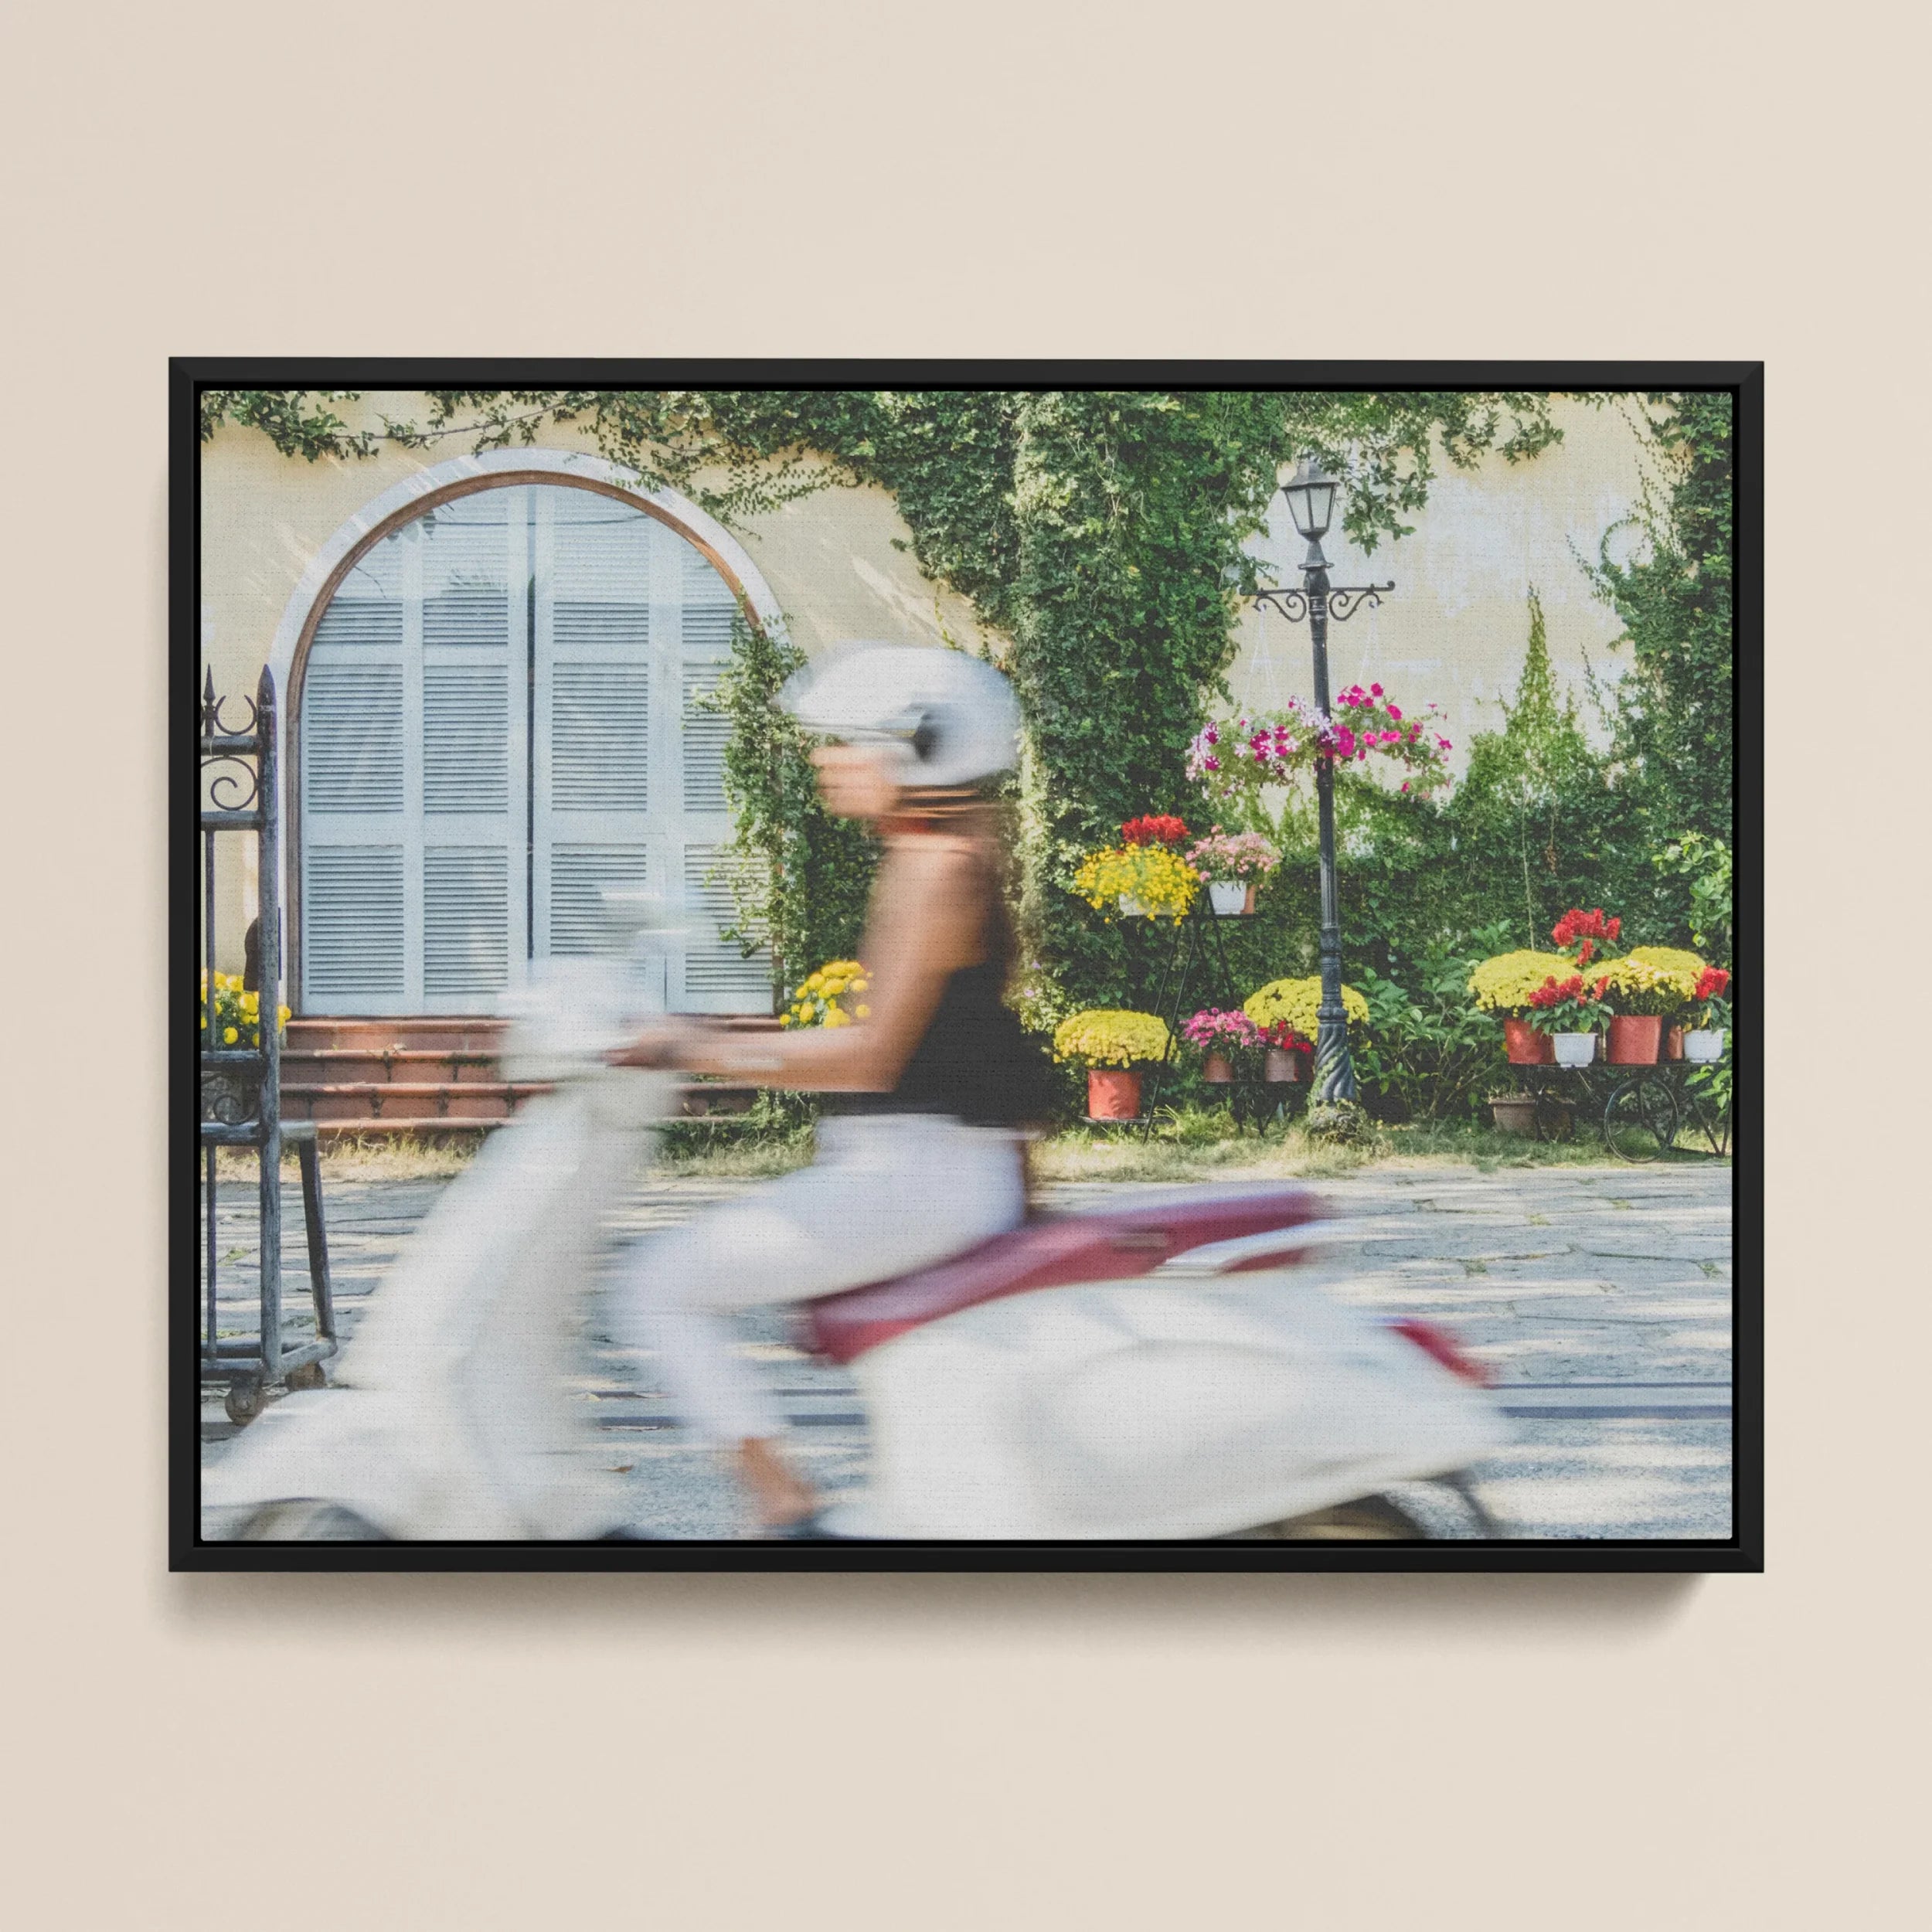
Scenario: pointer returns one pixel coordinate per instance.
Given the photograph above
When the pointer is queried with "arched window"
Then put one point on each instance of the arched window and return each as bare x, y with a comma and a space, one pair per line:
499, 720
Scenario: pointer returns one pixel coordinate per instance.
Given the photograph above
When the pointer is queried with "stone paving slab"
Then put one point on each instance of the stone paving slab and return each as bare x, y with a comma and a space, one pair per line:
1599, 1300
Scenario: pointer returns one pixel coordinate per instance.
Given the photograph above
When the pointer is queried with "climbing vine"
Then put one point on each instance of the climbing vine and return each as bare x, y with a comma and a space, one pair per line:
804, 892
1102, 532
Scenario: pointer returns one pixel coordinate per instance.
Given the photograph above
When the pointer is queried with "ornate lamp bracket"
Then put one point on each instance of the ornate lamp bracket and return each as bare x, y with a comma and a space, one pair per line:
1342, 602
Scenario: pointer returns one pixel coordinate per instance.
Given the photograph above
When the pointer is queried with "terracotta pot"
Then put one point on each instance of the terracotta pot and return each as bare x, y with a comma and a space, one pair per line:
1524, 1046
1635, 1039
1516, 1114
1674, 1044
1113, 1094
1217, 1068
1282, 1067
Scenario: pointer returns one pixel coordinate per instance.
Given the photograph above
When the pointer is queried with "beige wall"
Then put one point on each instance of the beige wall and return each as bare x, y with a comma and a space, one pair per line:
1455, 627
1454, 630
829, 558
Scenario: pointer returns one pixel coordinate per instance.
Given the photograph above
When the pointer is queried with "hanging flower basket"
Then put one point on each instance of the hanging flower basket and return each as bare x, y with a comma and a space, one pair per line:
1233, 760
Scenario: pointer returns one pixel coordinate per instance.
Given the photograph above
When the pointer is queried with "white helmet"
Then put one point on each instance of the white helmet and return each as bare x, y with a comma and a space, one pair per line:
955, 716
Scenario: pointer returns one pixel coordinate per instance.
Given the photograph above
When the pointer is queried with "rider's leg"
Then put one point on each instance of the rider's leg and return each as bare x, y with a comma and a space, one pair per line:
888, 1194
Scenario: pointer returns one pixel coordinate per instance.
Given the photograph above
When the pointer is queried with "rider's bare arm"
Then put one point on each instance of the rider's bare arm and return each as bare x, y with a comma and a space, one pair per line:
924, 923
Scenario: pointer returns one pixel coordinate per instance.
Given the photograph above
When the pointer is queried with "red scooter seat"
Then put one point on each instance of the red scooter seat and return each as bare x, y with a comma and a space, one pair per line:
1048, 1254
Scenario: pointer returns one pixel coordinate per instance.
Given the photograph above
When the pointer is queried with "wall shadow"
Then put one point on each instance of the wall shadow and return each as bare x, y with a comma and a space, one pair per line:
1476, 1608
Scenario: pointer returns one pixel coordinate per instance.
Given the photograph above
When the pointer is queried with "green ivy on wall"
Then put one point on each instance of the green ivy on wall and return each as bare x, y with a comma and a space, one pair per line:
1102, 532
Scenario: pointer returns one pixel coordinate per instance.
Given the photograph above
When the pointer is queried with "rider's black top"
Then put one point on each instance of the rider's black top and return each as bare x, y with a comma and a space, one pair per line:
975, 1061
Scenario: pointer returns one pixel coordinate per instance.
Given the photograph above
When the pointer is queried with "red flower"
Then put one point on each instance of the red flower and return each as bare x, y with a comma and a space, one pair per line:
1161, 829
1576, 925
1712, 983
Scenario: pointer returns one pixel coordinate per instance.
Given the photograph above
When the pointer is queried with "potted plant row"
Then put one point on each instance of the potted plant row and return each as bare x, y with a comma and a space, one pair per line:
1540, 996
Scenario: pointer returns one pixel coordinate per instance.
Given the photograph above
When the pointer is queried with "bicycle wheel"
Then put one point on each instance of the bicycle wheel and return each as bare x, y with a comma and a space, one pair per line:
1641, 1120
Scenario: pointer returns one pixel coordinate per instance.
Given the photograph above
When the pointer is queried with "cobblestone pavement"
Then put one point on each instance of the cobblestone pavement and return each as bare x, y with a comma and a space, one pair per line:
1600, 1298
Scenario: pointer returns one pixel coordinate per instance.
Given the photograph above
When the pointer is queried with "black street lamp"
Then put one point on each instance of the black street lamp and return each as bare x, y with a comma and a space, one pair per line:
1311, 493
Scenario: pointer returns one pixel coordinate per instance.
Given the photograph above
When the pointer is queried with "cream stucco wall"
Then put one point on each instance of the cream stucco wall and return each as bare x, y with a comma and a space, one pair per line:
1455, 625
829, 559
1453, 629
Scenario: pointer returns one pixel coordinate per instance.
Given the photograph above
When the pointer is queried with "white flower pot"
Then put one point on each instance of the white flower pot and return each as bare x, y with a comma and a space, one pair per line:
1132, 908
1229, 897
1704, 1044
1575, 1049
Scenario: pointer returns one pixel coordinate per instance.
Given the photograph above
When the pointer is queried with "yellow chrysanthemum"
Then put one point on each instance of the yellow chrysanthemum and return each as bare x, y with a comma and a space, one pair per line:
1503, 984
1296, 1001
1161, 880
1108, 1036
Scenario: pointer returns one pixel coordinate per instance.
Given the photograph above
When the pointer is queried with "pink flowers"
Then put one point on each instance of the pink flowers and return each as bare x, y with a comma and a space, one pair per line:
1234, 759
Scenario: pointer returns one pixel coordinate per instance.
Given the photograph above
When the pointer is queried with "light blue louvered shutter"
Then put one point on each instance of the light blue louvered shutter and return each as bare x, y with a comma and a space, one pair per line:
716, 976
596, 799
356, 775
475, 758
414, 767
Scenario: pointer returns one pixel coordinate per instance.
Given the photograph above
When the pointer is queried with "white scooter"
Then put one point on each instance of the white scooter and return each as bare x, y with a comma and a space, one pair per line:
451, 1415
1155, 1373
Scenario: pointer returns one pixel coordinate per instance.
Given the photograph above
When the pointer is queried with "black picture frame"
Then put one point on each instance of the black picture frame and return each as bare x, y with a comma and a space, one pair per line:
188, 1551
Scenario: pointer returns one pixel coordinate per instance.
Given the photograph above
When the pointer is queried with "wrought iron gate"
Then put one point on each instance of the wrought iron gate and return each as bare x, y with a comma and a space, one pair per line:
240, 1098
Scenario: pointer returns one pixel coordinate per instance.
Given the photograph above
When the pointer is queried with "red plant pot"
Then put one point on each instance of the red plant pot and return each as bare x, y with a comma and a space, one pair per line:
1218, 1069
1526, 1046
1674, 1044
1113, 1094
1635, 1039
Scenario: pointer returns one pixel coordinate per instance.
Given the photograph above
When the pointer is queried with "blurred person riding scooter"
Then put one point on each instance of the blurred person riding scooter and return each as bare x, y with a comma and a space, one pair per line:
920, 1150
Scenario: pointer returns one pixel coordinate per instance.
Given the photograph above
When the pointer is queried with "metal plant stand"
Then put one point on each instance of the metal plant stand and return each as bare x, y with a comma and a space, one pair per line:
1195, 970
240, 1101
